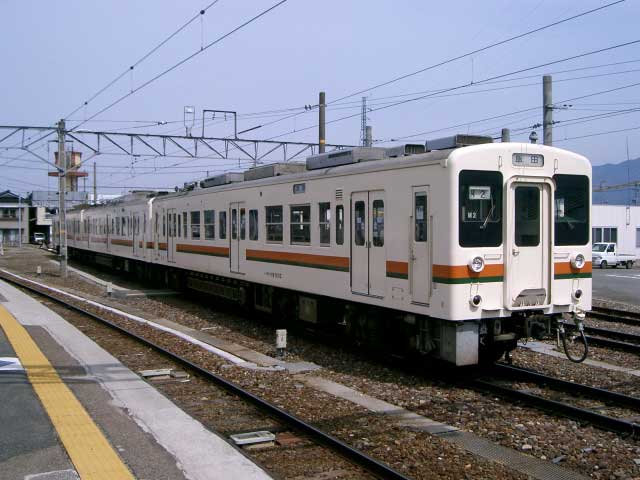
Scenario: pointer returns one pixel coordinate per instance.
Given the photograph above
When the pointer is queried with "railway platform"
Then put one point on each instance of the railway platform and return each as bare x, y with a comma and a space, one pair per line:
71, 410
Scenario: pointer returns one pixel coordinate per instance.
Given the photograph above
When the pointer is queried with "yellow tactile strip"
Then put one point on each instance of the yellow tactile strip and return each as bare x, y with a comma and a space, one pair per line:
91, 454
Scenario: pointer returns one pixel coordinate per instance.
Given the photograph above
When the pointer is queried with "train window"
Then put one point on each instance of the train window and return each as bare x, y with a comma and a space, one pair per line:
195, 225
173, 232
360, 227
179, 225
222, 225
571, 210
324, 219
301, 224
184, 225
164, 226
339, 225
273, 222
209, 224
253, 224
527, 221
420, 216
480, 204
378, 223
243, 224
234, 224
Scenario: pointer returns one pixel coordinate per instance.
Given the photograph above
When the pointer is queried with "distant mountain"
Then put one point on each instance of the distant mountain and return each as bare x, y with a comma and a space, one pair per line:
616, 174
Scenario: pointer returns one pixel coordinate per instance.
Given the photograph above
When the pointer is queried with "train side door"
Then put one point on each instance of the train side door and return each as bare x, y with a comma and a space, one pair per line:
134, 234
528, 245
420, 247
143, 236
109, 232
237, 245
368, 255
171, 234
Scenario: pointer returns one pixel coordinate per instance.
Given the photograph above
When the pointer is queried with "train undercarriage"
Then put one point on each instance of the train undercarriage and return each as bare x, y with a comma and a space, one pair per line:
366, 327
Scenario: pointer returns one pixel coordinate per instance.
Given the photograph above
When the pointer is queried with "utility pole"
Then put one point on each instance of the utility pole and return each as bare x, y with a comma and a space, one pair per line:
19, 221
363, 123
321, 124
62, 217
547, 110
95, 185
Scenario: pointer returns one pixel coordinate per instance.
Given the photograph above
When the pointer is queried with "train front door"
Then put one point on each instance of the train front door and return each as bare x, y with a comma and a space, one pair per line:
420, 247
528, 245
237, 239
368, 257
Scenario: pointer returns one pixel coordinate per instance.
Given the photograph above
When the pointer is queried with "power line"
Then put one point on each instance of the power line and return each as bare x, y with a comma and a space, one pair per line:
467, 85
598, 134
482, 49
186, 59
144, 57
494, 117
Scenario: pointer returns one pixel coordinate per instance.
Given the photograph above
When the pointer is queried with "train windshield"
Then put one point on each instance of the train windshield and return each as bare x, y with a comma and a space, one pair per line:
571, 210
480, 208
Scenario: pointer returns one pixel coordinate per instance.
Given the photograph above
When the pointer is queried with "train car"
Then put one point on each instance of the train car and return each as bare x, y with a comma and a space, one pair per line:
455, 252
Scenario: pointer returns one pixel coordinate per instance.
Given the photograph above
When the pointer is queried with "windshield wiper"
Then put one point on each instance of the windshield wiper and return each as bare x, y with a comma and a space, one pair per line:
488, 216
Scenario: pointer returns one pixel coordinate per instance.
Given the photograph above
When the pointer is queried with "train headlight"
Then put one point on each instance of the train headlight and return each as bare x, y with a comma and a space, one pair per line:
578, 261
577, 294
475, 301
476, 264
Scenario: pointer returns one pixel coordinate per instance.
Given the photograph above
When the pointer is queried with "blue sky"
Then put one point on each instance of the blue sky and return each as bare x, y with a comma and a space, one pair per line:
58, 54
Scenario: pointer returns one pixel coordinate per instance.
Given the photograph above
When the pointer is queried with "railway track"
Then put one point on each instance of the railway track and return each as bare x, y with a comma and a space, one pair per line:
492, 380
374, 467
614, 315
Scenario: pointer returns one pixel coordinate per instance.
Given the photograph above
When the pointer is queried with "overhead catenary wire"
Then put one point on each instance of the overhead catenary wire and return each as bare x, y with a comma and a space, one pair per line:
143, 58
478, 50
466, 85
453, 59
503, 115
186, 59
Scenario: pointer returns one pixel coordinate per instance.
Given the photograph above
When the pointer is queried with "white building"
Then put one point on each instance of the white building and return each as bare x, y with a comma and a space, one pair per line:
14, 219
617, 223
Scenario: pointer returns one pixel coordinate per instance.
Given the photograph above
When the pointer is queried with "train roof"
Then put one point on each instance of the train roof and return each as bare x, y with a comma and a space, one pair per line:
370, 160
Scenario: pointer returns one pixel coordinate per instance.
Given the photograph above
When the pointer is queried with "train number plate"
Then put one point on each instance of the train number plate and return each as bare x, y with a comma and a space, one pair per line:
479, 193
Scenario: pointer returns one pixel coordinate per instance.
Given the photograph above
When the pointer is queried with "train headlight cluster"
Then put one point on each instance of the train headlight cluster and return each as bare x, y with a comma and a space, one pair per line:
476, 264
578, 261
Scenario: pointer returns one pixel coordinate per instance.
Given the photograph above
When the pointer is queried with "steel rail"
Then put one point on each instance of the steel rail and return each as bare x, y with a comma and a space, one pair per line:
373, 466
510, 371
603, 337
579, 414
614, 315
605, 332
614, 344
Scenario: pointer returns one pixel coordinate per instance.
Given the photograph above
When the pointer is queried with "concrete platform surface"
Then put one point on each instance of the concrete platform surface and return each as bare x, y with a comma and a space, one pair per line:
152, 436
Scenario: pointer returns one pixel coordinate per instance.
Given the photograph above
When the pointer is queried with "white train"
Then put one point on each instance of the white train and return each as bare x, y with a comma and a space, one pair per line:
455, 252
